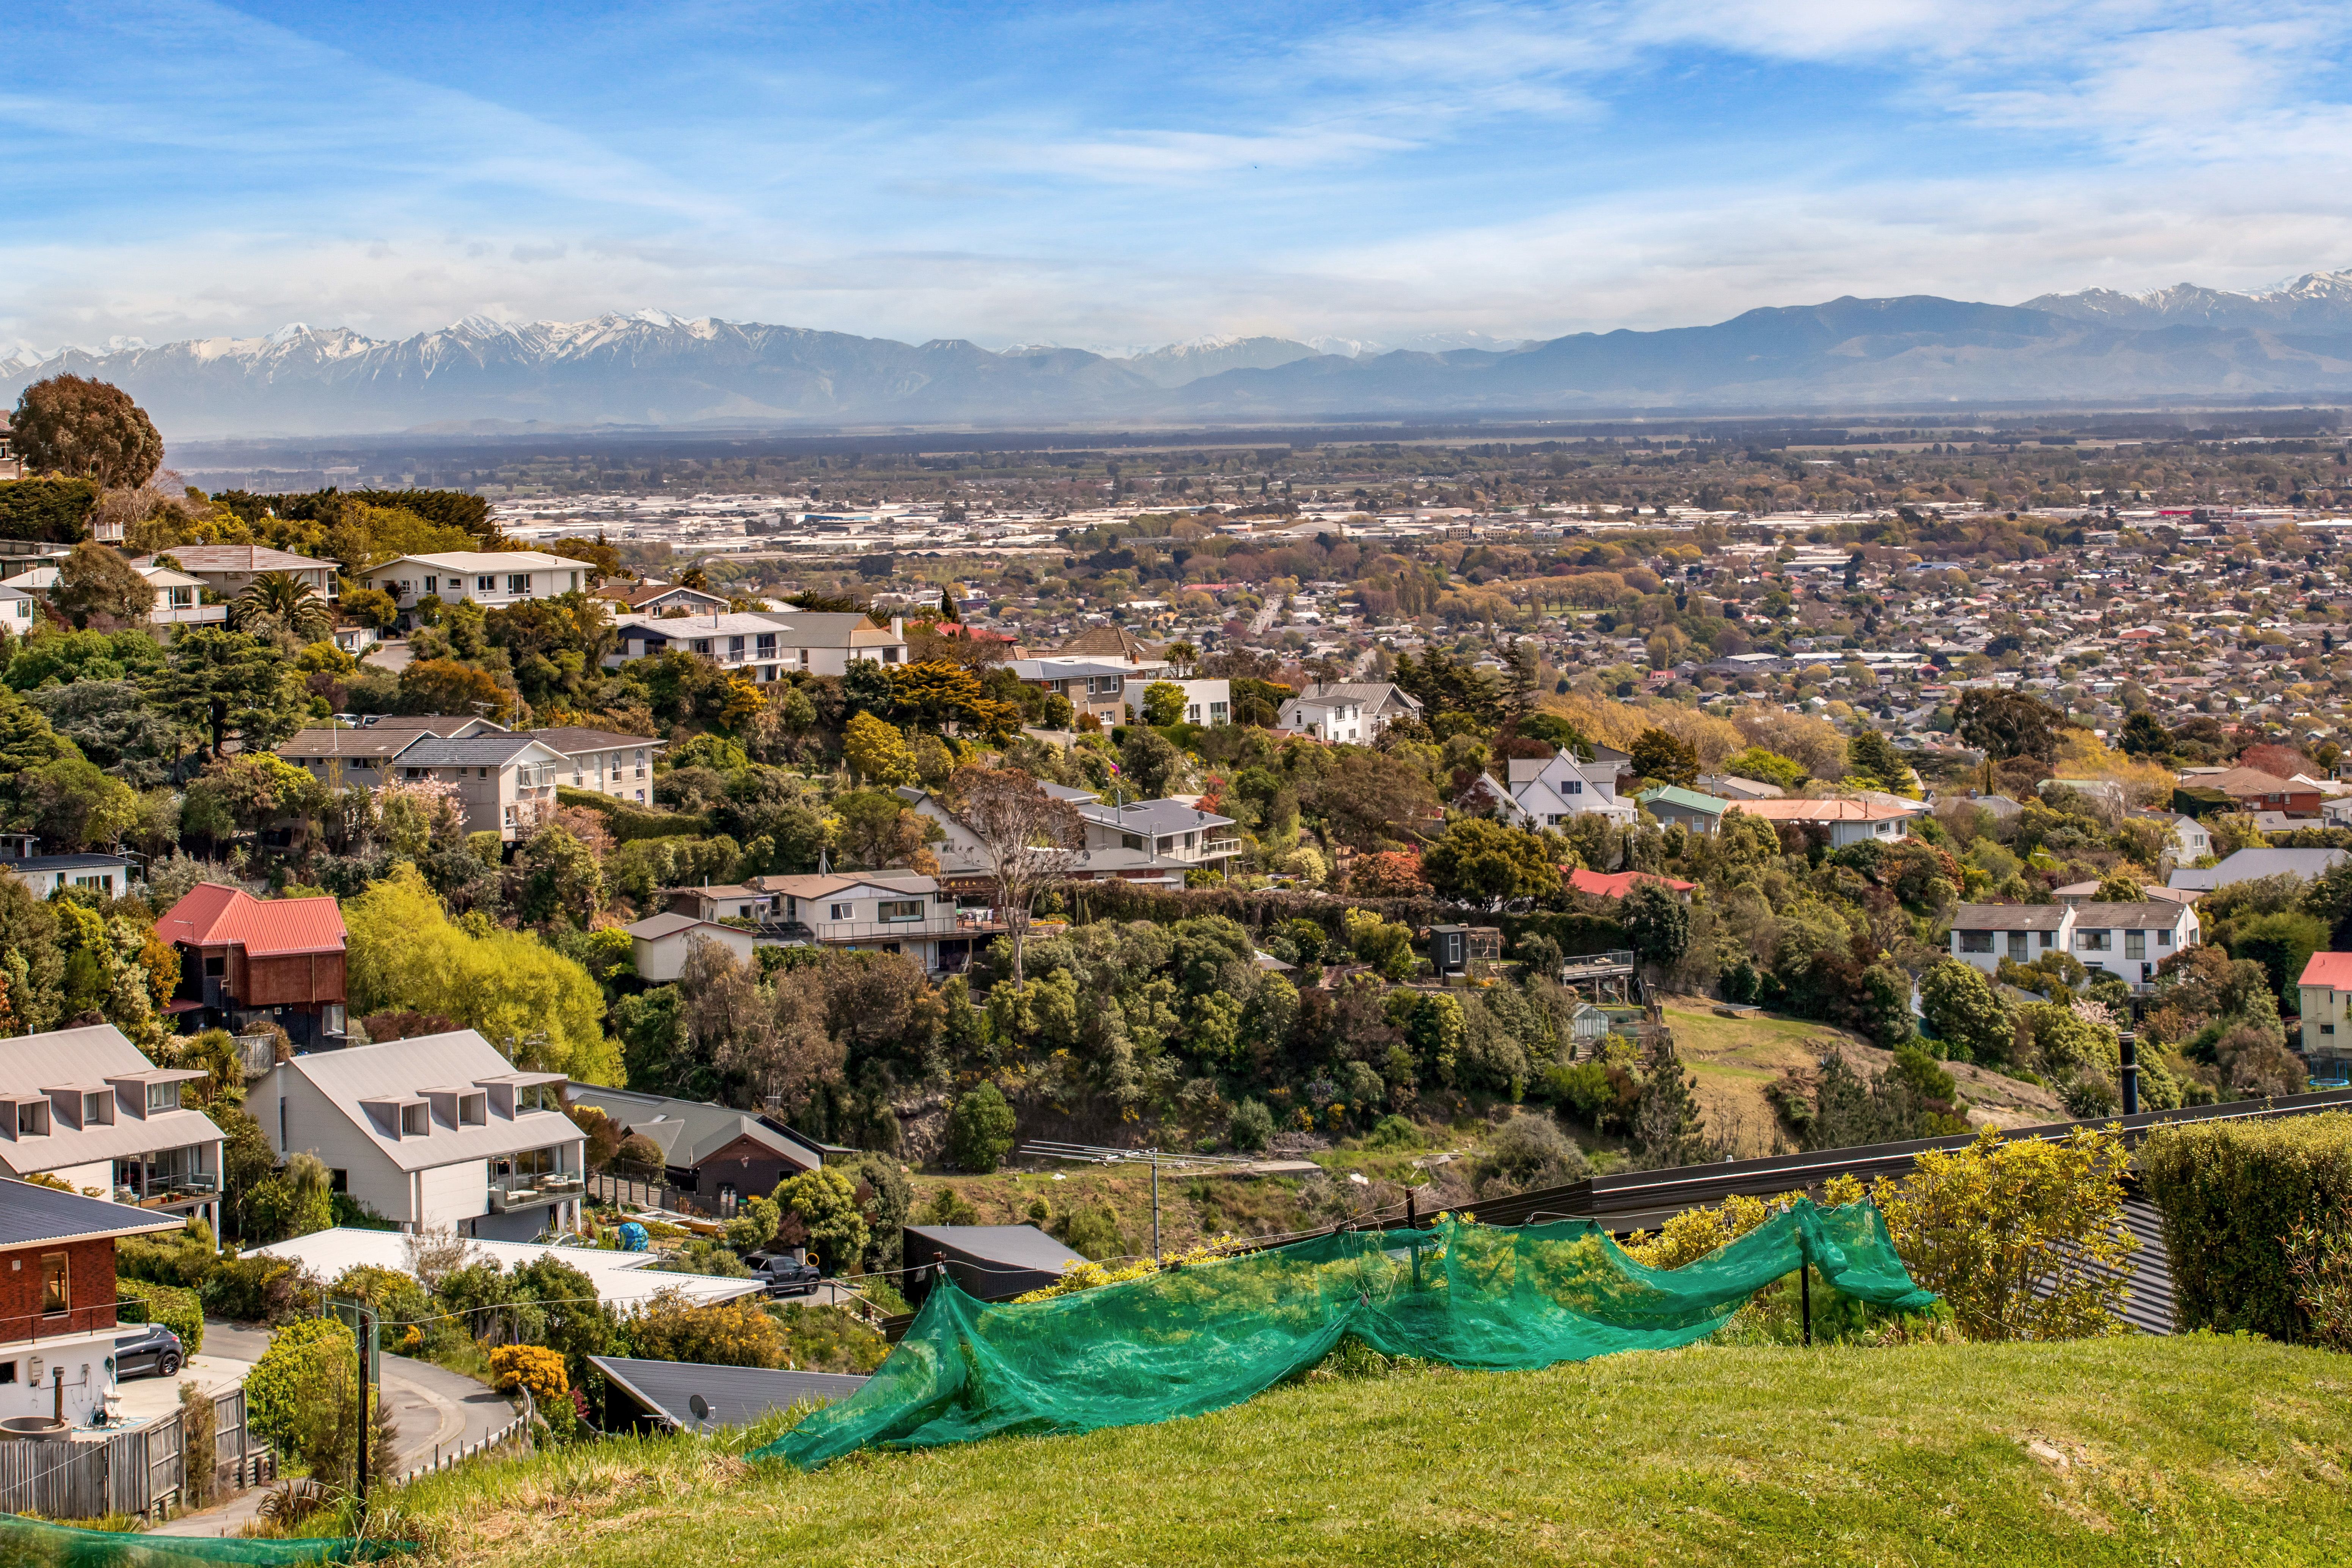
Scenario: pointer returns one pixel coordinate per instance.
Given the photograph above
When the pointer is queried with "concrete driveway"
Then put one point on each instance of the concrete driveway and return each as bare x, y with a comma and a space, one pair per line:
438, 1411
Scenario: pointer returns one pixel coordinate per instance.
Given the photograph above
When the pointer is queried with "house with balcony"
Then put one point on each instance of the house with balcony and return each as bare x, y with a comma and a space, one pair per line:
1097, 685
765, 645
614, 764
2127, 941
875, 912
179, 598
652, 598
439, 1133
246, 961
505, 781
491, 578
84, 1107
1153, 841
57, 1321
364, 756
227, 570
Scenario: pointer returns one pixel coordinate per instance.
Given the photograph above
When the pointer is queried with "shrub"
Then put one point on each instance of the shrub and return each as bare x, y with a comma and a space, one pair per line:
1251, 1128
180, 1310
725, 1333
1526, 1152
259, 1291
2230, 1192
825, 1202
980, 1130
303, 1357
2319, 1256
1392, 1132
2022, 1239
533, 1367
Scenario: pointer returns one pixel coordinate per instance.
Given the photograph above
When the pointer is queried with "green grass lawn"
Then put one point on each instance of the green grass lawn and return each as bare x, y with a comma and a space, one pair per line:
2116, 1451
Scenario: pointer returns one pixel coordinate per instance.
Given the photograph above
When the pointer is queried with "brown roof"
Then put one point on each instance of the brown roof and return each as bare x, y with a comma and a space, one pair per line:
2253, 780
237, 557
1823, 810
1113, 642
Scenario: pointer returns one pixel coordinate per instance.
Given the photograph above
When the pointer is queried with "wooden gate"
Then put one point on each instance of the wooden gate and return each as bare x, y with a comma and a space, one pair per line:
128, 1472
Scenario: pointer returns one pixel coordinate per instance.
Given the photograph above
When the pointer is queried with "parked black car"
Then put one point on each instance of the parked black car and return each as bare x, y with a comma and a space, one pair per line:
154, 1351
786, 1276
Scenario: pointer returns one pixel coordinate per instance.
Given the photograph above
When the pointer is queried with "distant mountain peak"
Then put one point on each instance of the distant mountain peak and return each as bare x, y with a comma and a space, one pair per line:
2313, 301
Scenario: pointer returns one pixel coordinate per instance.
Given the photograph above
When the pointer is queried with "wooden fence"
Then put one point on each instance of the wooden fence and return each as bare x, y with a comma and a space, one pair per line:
612, 1189
125, 1472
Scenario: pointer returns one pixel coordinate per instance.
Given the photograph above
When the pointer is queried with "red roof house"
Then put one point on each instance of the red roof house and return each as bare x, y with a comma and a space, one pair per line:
246, 961
1617, 885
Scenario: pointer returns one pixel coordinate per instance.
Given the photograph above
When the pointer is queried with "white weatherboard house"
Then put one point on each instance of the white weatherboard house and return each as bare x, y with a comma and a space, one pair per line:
486, 577
439, 1133
83, 1106
2128, 940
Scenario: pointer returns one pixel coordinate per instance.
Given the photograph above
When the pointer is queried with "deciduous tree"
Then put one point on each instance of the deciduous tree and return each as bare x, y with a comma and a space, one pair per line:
91, 429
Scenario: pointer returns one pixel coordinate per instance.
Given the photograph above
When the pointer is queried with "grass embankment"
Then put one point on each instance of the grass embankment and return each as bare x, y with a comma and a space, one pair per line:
1734, 1058
2122, 1451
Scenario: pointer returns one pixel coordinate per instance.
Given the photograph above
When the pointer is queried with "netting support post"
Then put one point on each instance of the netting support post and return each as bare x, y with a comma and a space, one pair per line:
1805, 1295
359, 1318
1155, 1208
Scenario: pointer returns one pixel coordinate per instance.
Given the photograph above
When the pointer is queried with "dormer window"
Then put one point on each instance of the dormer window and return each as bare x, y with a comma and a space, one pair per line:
473, 1110
163, 1097
32, 1119
97, 1109
415, 1120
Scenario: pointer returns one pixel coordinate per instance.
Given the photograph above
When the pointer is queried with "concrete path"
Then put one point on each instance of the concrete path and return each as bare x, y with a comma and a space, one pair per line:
438, 1411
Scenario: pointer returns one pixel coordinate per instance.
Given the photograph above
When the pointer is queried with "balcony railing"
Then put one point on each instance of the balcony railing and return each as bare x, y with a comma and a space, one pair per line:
163, 1192
530, 1191
185, 614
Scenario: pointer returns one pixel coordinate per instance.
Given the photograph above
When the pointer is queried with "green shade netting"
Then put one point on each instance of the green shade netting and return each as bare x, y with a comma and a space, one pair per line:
1208, 1335
36, 1544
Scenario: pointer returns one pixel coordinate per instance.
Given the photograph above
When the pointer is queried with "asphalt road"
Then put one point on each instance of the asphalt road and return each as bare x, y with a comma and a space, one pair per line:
438, 1411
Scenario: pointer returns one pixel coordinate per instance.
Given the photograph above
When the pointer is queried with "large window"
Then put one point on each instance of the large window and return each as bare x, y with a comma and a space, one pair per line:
164, 1096
1975, 941
900, 909
519, 583
2094, 941
57, 1284
2134, 944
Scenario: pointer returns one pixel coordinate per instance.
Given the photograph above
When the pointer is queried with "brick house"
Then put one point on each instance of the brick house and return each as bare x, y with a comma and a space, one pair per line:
56, 1297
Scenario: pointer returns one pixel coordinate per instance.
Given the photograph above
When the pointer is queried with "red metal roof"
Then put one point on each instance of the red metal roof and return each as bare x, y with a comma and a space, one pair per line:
214, 916
2333, 970
1618, 885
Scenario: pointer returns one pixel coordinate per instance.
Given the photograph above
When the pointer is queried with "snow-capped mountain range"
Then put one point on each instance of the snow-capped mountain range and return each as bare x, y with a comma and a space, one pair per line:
650, 368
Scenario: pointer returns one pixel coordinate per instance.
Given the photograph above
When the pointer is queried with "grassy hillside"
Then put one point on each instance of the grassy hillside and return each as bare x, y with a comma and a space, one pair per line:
1734, 1058
2118, 1451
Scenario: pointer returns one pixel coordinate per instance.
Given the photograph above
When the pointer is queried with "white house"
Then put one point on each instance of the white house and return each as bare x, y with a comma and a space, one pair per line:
765, 645
227, 570
661, 942
1380, 703
1541, 792
487, 578
84, 1106
505, 783
41, 875
2127, 941
1882, 819
436, 1132
876, 911
1152, 841
1335, 719
610, 763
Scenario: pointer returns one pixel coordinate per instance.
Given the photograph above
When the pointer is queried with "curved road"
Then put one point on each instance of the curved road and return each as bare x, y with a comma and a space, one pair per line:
433, 1405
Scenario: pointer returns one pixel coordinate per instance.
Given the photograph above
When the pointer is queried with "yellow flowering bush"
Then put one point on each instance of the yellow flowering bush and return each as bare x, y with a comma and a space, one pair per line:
1077, 1277
534, 1367
1693, 1234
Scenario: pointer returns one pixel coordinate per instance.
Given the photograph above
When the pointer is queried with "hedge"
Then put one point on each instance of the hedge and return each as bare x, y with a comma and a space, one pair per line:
180, 1310
2229, 1192
52, 511
625, 820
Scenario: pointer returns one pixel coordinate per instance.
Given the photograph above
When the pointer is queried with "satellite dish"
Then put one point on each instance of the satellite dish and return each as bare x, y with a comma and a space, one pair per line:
699, 1406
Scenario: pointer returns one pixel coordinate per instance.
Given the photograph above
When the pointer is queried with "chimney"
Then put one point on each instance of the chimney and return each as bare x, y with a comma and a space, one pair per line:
898, 627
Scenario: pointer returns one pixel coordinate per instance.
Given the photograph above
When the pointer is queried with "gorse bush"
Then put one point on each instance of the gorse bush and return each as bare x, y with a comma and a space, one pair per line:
2231, 1194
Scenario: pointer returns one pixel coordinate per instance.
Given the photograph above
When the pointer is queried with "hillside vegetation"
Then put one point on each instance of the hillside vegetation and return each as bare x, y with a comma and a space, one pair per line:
2192, 1450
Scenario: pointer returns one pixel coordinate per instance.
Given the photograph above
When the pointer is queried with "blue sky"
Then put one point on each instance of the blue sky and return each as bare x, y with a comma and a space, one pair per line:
1129, 175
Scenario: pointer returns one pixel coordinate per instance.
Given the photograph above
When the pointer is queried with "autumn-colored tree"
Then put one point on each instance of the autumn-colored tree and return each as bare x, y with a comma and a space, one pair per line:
90, 429
446, 686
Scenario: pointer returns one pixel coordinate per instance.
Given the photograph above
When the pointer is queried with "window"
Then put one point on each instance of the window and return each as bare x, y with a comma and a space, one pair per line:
2134, 944
519, 583
766, 644
2094, 941
164, 1096
181, 598
702, 647
1193, 714
1975, 940
431, 585
735, 647
7, 1372
2017, 946
57, 1284
473, 1110
2326, 1028
415, 1120
1216, 713
2164, 939
840, 911
217, 966
1573, 787
2048, 938
890, 656
97, 1109
900, 910
32, 1119
485, 585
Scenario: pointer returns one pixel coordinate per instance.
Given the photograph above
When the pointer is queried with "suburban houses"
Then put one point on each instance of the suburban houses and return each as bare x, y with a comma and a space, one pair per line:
86, 1109
2127, 941
488, 578
58, 1317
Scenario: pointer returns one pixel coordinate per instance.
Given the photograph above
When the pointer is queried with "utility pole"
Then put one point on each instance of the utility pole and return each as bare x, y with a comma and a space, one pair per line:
1100, 1154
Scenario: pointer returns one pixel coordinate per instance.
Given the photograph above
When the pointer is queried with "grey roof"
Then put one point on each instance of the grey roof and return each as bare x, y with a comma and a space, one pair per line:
235, 558
89, 862
571, 738
2152, 913
652, 928
1157, 818
734, 1395
1064, 791
473, 751
1011, 1246
1373, 694
2248, 865
88, 1057
373, 742
687, 1130
30, 1214
2013, 917
402, 1069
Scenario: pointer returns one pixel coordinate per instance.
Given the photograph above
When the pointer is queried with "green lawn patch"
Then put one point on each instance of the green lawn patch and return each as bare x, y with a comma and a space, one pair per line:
2194, 1450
